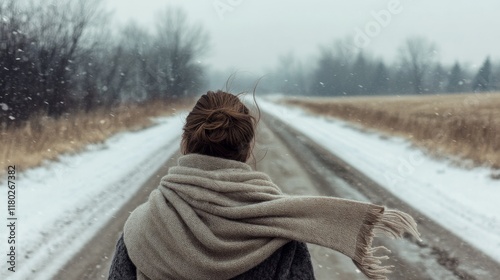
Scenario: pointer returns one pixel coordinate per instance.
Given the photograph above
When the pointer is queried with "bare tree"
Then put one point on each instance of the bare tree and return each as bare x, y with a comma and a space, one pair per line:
139, 79
417, 56
179, 47
61, 27
16, 68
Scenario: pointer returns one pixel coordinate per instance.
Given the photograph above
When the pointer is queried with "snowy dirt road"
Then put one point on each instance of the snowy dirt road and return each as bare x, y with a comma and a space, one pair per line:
93, 261
299, 166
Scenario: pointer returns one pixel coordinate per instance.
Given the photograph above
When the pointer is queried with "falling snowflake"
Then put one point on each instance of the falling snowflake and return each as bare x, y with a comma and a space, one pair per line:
4, 106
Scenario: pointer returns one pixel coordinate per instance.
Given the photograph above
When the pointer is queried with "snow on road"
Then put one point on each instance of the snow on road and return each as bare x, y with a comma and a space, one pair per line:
465, 201
61, 205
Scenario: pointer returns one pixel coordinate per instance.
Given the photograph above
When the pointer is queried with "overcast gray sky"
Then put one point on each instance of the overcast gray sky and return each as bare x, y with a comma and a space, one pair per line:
250, 35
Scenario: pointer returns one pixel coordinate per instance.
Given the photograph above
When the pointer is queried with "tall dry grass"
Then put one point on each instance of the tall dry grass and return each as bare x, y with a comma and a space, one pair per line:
43, 138
463, 125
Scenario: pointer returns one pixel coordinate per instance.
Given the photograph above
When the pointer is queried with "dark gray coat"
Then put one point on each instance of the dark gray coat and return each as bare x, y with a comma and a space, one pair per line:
292, 261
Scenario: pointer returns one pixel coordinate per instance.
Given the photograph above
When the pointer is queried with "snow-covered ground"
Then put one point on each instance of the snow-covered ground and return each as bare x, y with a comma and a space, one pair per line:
465, 201
61, 205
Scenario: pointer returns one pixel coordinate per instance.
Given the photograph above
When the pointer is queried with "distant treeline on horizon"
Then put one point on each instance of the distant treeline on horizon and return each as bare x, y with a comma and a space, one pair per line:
344, 70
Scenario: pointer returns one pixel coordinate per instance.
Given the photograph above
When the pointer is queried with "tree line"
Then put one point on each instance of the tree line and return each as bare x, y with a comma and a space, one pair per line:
343, 69
60, 56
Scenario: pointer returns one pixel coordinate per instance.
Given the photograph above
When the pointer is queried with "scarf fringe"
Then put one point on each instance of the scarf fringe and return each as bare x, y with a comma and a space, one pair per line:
380, 221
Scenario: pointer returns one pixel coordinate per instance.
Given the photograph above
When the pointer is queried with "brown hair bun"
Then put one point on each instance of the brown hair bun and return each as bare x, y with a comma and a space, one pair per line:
219, 125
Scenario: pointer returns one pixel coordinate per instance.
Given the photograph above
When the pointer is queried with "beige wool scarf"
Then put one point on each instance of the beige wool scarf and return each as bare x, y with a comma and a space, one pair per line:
214, 218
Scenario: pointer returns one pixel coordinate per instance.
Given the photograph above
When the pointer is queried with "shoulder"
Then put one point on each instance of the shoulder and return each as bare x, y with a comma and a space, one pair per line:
121, 266
292, 261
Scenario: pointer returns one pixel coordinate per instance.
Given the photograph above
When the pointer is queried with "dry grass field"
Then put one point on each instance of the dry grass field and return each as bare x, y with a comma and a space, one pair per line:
44, 138
465, 126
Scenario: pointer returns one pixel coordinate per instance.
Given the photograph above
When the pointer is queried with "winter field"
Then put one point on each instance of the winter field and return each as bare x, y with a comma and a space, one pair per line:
62, 204
465, 125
